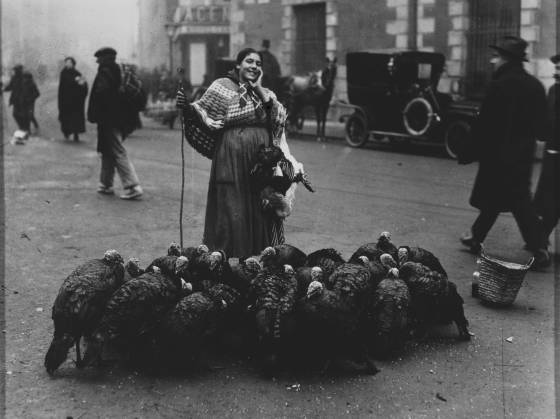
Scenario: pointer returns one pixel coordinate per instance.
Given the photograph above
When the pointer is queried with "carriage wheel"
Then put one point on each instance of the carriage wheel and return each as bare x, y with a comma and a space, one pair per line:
417, 116
457, 135
356, 130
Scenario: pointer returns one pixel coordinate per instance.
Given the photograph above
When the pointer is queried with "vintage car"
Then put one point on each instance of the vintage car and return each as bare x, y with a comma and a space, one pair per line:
395, 96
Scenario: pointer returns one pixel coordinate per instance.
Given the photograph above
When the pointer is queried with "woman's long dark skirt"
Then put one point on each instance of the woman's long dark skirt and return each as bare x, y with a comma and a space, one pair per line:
234, 220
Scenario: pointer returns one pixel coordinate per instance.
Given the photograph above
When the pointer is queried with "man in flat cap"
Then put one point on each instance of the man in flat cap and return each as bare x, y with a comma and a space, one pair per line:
547, 196
104, 109
503, 142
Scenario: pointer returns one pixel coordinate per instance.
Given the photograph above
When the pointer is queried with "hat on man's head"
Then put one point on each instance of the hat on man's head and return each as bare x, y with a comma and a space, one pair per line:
555, 59
512, 47
266, 43
101, 52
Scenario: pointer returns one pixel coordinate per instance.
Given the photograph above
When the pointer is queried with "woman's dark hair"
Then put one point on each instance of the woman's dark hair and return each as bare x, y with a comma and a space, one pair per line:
71, 59
246, 51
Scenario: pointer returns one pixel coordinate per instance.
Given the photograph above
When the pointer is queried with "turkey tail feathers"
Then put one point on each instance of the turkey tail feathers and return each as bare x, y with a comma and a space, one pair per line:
58, 351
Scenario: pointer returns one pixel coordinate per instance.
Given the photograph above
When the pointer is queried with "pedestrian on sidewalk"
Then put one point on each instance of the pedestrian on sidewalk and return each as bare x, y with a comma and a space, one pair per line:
547, 196
232, 116
72, 92
271, 67
503, 142
17, 101
104, 109
30, 95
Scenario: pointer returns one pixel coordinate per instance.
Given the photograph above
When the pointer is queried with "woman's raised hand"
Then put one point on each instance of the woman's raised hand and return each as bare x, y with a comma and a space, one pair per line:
181, 99
214, 123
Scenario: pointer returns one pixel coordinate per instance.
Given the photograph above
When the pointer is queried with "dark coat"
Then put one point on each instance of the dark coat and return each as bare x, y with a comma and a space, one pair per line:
71, 100
14, 87
512, 116
547, 196
103, 107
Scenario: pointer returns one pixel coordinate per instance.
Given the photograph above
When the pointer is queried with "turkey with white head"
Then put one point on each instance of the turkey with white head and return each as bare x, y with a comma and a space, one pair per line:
274, 292
326, 259
388, 315
420, 255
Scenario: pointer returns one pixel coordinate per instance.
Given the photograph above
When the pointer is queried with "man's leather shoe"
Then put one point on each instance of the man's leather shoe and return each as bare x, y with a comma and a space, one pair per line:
473, 245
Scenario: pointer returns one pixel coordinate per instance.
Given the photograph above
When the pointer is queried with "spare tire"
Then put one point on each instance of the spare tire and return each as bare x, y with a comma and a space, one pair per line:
418, 115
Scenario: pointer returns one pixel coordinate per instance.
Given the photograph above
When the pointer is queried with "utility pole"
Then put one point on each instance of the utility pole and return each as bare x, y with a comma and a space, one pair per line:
413, 25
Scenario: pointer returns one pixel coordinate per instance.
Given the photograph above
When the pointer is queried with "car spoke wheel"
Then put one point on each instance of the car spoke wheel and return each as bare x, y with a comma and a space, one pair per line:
356, 131
456, 137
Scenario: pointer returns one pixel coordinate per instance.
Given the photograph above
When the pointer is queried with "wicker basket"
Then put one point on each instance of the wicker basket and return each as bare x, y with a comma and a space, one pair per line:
500, 281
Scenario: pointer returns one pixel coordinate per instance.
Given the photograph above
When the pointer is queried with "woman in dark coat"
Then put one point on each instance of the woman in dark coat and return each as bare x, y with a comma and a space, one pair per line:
234, 111
72, 92
503, 142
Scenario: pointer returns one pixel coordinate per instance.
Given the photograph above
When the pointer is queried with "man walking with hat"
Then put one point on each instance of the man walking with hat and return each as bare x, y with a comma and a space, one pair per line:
105, 110
547, 197
503, 142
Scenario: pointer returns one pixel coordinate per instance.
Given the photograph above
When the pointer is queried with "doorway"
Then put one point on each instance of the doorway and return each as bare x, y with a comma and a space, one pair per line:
197, 61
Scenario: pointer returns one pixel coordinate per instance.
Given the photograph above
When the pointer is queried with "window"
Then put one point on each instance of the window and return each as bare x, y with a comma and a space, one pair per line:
489, 21
310, 39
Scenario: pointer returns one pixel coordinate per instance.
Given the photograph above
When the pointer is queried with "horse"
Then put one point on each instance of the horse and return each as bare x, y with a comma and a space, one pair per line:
314, 89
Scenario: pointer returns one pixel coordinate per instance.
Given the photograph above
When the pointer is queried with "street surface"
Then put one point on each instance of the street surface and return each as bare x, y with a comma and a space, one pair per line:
55, 220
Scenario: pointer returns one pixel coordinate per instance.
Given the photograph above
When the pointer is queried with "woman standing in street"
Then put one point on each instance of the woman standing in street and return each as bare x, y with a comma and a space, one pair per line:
72, 92
233, 112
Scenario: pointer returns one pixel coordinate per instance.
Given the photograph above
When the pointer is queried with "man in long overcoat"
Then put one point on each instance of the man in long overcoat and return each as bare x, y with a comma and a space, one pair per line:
547, 197
104, 109
503, 142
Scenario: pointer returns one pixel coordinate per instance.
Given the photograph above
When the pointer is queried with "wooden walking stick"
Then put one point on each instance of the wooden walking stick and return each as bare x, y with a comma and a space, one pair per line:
181, 71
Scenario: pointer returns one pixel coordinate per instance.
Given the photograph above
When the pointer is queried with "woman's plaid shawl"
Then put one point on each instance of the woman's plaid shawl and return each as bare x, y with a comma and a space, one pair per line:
237, 105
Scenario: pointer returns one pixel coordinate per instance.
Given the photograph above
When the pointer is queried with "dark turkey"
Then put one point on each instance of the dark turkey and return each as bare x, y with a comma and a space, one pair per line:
389, 315
243, 273
419, 255
208, 268
290, 255
305, 276
133, 312
377, 270
354, 282
132, 269
330, 328
274, 291
171, 266
327, 259
369, 250
192, 327
80, 303
374, 250
434, 299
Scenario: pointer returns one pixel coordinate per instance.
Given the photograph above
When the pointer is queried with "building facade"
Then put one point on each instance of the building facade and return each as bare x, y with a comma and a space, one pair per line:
153, 41
303, 32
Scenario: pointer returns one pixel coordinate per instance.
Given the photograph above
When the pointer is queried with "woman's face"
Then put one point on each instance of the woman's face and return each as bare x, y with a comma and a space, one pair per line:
250, 68
68, 64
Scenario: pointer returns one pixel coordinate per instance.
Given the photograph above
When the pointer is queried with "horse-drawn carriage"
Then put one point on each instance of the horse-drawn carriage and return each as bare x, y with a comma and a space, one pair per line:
395, 96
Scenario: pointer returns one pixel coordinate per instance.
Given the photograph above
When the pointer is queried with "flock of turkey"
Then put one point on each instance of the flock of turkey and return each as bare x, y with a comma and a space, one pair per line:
283, 306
